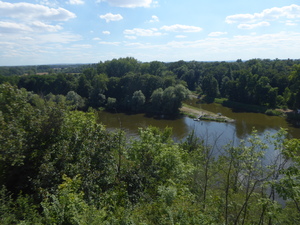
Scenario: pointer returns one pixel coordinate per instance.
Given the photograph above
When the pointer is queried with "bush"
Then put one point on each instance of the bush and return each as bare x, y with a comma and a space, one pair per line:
272, 112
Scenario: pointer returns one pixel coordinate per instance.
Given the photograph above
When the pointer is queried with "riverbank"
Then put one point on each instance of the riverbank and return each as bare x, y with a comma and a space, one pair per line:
201, 114
243, 107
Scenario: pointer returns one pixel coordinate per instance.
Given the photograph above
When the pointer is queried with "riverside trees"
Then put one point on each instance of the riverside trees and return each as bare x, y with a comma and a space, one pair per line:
270, 83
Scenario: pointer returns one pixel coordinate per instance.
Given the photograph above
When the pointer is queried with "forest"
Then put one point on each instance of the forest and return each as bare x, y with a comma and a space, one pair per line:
125, 84
58, 165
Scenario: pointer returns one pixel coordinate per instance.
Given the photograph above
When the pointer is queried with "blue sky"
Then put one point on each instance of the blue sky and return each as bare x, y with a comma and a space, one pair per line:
88, 31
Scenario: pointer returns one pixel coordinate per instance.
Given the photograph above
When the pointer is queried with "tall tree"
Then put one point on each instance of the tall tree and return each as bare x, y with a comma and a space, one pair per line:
138, 100
210, 86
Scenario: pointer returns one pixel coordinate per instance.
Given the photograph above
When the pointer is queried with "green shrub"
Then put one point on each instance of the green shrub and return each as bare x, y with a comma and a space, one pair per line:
272, 112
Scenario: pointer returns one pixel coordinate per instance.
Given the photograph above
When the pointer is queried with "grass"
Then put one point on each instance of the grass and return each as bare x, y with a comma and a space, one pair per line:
200, 111
220, 100
192, 116
214, 119
273, 112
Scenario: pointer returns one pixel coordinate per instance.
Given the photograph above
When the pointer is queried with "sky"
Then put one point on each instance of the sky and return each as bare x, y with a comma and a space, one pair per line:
89, 31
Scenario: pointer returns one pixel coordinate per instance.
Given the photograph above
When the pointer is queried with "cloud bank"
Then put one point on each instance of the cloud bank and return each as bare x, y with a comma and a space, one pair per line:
250, 21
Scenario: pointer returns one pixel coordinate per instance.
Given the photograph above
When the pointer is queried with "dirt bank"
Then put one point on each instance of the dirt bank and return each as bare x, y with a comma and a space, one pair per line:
204, 114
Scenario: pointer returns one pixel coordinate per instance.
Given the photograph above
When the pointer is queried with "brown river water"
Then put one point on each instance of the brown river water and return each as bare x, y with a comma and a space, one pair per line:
225, 132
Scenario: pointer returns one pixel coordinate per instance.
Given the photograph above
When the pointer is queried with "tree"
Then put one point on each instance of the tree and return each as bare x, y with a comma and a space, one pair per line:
190, 79
210, 86
156, 68
90, 73
156, 159
224, 90
111, 103
168, 101
288, 186
262, 90
26, 132
75, 100
157, 101
137, 101
120, 67
99, 86
67, 205
84, 86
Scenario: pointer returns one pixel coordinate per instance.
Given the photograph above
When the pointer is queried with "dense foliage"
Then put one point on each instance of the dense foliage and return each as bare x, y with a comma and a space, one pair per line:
59, 166
129, 85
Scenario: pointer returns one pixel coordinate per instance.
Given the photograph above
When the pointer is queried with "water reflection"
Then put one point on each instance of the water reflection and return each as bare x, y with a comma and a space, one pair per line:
131, 123
245, 122
209, 131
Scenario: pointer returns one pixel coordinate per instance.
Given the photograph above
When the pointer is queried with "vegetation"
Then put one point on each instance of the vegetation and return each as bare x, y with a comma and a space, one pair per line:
126, 84
200, 114
59, 166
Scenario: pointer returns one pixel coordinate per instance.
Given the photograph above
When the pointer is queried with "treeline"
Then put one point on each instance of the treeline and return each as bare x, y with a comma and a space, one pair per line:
121, 83
59, 166
44, 69
132, 92
271, 83
125, 89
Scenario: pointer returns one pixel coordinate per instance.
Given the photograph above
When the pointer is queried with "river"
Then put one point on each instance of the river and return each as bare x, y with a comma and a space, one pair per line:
225, 132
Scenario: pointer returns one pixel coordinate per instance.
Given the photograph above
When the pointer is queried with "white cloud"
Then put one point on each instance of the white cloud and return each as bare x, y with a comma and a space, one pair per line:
143, 32
111, 17
51, 3
30, 20
216, 34
31, 40
63, 37
130, 37
290, 23
110, 43
180, 36
106, 32
135, 44
240, 18
27, 11
129, 3
32, 27
277, 45
96, 39
45, 27
75, 2
181, 28
268, 42
252, 26
154, 19
289, 12
26, 38
82, 46
9, 27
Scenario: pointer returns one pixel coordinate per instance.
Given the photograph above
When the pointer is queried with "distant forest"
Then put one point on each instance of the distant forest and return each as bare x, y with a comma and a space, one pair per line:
158, 87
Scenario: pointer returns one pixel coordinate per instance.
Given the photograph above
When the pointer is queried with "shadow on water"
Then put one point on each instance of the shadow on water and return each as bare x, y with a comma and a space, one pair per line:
246, 121
132, 122
244, 124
